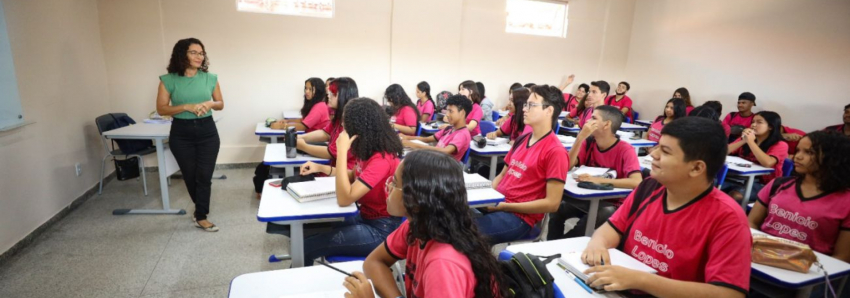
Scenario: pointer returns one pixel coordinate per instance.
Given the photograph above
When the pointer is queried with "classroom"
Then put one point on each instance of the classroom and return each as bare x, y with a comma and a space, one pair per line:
439, 148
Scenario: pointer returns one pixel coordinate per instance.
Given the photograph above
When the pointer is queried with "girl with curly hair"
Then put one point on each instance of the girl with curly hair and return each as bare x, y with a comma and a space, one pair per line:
446, 255
376, 150
406, 117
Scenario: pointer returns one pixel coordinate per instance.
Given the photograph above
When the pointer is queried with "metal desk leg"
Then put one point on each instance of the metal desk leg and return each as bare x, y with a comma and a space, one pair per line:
493, 162
273, 139
591, 217
296, 244
163, 188
748, 191
290, 171
841, 286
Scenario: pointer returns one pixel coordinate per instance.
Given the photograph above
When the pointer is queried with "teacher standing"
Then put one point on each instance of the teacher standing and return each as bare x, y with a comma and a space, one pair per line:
185, 94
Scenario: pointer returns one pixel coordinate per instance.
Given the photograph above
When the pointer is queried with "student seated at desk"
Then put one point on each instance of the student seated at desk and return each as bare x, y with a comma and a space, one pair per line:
314, 112
340, 92
620, 100
595, 97
819, 196
845, 127
743, 118
761, 144
792, 137
597, 145
445, 254
507, 106
486, 103
674, 109
453, 140
577, 104
406, 118
685, 95
676, 222
425, 104
534, 173
473, 119
513, 127
376, 150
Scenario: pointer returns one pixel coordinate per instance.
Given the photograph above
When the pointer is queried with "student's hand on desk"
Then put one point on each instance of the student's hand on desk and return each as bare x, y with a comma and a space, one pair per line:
358, 286
588, 178
595, 255
614, 278
405, 143
343, 142
310, 168
403, 137
280, 124
492, 135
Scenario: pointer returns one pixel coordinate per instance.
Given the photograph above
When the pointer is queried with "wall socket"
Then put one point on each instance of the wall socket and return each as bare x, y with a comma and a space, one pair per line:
78, 169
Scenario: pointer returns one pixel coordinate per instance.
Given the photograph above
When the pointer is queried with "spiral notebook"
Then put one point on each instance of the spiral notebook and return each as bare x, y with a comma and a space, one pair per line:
475, 181
572, 262
319, 189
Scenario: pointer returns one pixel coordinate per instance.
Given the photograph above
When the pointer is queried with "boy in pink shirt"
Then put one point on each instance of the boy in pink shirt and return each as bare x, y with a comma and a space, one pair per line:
742, 119
620, 100
453, 140
445, 254
845, 127
597, 145
596, 97
678, 223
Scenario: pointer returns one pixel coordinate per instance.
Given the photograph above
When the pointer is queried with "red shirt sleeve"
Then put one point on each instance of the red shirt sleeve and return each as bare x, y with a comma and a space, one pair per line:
461, 141
444, 278
582, 152
506, 126
728, 120
375, 171
619, 220
440, 133
729, 254
630, 163
779, 151
406, 117
476, 114
396, 242
318, 115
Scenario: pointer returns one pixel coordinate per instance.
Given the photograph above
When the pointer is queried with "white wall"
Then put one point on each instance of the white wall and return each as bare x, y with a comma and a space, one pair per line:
793, 55
262, 60
61, 76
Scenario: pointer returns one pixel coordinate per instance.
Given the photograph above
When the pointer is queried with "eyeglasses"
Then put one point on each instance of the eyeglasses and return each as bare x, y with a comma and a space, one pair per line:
196, 53
529, 105
389, 186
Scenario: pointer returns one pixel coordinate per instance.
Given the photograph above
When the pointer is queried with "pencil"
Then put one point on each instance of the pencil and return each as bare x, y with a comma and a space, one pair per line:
334, 268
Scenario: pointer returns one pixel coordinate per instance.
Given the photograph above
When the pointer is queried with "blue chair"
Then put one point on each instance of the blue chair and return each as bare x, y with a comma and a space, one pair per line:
434, 116
418, 129
721, 175
636, 115
557, 127
506, 256
487, 127
465, 158
787, 167
496, 116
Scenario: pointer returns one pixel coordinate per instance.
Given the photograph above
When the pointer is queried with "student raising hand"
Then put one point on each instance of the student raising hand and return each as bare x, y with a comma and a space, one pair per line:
358, 286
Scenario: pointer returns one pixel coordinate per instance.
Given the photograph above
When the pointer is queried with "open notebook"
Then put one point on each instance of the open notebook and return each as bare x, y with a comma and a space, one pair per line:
319, 189
475, 181
572, 263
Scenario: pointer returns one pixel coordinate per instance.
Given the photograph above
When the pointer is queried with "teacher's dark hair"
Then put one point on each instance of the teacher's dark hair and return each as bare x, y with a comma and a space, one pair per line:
434, 196
180, 57
366, 119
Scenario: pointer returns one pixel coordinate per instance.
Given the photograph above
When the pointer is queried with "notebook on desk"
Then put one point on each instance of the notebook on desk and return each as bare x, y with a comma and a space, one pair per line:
572, 262
475, 181
319, 189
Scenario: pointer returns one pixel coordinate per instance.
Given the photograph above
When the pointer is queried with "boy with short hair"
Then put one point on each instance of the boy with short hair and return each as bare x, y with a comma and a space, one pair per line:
452, 140
597, 145
842, 128
620, 100
595, 97
743, 118
677, 222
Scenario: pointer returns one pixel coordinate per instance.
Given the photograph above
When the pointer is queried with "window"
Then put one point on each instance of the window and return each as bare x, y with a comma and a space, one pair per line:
304, 8
11, 114
542, 18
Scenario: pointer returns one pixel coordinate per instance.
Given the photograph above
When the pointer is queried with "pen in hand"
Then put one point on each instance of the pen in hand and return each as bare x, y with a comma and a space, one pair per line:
334, 268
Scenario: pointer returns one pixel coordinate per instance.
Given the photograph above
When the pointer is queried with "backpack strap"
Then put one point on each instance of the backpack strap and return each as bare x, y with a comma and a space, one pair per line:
642, 197
534, 269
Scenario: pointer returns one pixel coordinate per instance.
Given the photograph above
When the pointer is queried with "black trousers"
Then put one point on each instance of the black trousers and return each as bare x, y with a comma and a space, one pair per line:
195, 146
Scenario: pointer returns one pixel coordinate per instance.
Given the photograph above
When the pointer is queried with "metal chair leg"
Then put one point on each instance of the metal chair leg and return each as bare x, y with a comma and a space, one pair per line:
102, 166
142, 173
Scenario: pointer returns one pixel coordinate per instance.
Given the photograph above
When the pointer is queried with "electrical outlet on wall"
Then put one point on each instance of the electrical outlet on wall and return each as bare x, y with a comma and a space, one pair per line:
78, 169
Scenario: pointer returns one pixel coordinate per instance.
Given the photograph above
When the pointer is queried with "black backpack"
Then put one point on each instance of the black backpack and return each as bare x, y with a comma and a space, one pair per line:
127, 146
526, 276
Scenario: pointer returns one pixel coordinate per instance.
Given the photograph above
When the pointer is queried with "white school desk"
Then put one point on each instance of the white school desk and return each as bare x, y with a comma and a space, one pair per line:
291, 115
749, 173
594, 196
315, 281
165, 161
803, 283
275, 156
273, 134
279, 207
567, 285
628, 127
562, 115
646, 123
495, 152
428, 129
